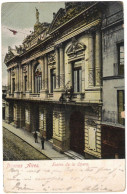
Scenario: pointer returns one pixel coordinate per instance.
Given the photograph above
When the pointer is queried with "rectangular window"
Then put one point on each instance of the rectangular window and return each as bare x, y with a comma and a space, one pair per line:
13, 84
120, 100
121, 59
77, 80
53, 80
25, 79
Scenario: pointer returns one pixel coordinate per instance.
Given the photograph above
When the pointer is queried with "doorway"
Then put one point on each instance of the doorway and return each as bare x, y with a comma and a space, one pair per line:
49, 125
77, 132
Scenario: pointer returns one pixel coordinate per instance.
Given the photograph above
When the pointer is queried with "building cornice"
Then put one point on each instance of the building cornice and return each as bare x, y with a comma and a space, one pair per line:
71, 20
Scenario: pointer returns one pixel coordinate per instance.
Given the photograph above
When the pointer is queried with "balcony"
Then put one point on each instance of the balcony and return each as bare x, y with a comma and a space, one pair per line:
78, 96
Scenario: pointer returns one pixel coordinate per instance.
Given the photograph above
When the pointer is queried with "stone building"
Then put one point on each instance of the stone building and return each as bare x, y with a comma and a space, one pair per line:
113, 129
4, 93
55, 79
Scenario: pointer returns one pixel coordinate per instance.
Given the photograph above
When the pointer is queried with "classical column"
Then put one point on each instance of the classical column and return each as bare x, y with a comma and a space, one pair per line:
17, 79
57, 68
43, 74
8, 80
98, 58
46, 73
91, 60
30, 77
41, 61
62, 78
11, 83
69, 74
21, 78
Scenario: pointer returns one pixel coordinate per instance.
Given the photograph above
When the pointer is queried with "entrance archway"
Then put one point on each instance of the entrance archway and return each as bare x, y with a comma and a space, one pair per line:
77, 132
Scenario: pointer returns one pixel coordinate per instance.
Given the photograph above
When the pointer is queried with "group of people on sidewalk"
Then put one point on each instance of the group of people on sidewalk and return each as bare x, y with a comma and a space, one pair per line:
42, 139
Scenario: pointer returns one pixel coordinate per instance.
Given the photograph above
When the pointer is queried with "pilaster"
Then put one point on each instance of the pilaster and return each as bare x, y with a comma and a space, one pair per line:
59, 131
98, 58
91, 60
57, 67
17, 115
62, 72
9, 112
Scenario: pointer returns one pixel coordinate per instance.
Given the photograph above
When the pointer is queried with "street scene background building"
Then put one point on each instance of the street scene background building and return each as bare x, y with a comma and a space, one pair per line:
66, 80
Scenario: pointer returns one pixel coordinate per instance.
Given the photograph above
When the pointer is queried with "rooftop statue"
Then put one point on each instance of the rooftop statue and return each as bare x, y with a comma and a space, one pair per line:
37, 15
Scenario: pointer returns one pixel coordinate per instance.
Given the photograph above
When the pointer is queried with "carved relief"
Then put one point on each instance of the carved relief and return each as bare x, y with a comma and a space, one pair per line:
91, 77
90, 122
57, 80
43, 83
62, 80
98, 77
51, 58
25, 69
63, 15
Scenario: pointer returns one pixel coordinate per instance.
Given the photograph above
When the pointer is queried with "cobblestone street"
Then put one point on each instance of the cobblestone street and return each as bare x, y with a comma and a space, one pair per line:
15, 148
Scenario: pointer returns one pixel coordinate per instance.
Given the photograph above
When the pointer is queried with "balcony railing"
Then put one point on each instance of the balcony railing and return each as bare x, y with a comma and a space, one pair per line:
50, 95
35, 95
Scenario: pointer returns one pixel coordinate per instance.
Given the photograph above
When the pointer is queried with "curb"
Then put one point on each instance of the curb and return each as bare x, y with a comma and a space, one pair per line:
28, 143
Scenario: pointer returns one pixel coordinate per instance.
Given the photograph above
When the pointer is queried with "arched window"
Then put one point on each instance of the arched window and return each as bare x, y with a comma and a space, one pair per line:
38, 78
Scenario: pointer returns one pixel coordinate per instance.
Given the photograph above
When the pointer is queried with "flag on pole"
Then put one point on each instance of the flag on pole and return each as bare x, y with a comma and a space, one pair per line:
14, 31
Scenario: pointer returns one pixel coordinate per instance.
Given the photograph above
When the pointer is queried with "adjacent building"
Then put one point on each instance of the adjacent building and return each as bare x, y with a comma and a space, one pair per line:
113, 131
58, 78
4, 93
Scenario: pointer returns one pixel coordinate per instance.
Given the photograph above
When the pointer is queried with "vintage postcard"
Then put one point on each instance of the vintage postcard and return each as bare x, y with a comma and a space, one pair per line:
63, 96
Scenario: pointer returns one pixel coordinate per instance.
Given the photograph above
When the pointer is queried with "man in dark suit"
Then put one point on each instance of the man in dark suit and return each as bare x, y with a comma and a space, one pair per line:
35, 136
42, 142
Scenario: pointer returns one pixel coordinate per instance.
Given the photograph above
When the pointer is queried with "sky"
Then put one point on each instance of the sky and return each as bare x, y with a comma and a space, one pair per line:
22, 17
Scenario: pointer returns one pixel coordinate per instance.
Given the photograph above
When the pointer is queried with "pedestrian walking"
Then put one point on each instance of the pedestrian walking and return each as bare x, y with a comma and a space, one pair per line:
42, 142
35, 136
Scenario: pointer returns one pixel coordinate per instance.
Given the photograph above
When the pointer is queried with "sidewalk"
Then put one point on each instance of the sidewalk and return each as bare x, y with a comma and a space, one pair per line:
28, 137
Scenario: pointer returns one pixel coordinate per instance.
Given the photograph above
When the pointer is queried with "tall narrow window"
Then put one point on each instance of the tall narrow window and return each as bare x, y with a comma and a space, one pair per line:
120, 99
77, 80
38, 79
121, 59
53, 80
25, 80
13, 84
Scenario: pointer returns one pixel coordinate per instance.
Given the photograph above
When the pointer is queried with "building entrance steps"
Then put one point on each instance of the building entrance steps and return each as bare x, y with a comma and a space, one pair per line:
74, 155
29, 138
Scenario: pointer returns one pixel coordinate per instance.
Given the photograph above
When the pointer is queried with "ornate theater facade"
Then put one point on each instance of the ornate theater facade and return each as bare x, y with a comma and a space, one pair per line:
54, 79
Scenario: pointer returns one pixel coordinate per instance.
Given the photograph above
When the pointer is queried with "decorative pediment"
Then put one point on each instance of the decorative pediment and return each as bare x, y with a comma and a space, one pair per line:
11, 53
75, 47
64, 15
57, 20
8, 57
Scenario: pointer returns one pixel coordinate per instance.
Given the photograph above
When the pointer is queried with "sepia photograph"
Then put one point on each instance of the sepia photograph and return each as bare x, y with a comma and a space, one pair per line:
63, 86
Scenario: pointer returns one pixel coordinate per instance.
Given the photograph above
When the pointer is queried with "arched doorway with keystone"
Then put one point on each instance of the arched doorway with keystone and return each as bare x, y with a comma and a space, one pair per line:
77, 132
